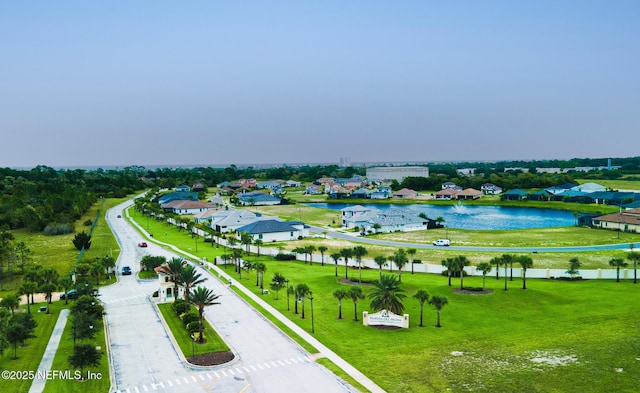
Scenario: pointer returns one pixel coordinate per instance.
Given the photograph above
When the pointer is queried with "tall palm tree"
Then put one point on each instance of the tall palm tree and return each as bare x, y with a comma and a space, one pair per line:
237, 257
173, 268
387, 295
400, 259
380, 261
355, 293
302, 290
261, 268
189, 278
108, 263
358, 253
485, 268
258, 243
346, 253
66, 283
322, 250
28, 288
340, 294
618, 263
438, 302
505, 263
246, 240
525, 262
411, 252
496, 261
308, 250
423, 297
509, 259
634, 257
336, 258
460, 262
200, 298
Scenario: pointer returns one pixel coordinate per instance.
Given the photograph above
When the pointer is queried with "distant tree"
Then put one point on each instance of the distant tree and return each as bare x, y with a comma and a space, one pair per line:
10, 302
82, 240
258, 243
400, 259
302, 290
449, 264
246, 240
380, 261
358, 253
459, 263
65, 283
150, 262
108, 263
411, 252
509, 259
438, 302
355, 293
376, 227
261, 268
28, 288
525, 262
423, 297
346, 253
387, 295
277, 283
496, 261
340, 294
309, 250
618, 263
322, 250
336, 258
574, 265
635, 258
485, 268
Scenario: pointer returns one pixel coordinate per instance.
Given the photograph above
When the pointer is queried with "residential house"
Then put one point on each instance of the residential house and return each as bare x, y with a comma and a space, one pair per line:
380, 195
183, 188
361, 193
225, 221
292, 183
469, 194
258, 199
313, 189
166, 292
405, 193
385, 221
451, 186
540, 195
353, 211
177, 196
207, 215
338, 192
274, 230
466, 171
491, 189
626, 220
198, 187
187, 207
270, 184
589, 187
447, 194
515, 195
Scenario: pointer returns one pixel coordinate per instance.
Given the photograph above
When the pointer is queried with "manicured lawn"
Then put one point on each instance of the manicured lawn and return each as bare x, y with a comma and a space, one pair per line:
61, 362
554, 336
29, 356
213, 342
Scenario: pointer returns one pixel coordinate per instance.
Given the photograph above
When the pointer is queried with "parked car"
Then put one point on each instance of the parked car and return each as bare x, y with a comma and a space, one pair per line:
71, 294
119, 216
142, 244
126, 271
442, 242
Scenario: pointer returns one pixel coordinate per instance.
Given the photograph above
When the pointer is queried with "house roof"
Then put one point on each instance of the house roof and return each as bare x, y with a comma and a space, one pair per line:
516, 191
631, 216
267, 226
447, 191
405, 191
356, 208
258, 197
188, 205
470, 191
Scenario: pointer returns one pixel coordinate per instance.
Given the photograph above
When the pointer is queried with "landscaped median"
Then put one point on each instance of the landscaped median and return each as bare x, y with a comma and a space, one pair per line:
212, 351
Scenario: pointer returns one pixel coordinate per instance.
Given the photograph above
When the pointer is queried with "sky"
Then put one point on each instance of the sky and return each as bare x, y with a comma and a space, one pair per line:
120, 83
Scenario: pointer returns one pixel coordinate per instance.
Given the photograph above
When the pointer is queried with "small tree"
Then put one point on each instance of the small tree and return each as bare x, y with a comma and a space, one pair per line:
618, 263
525, 262
277, 283
423, 297
322, 250
358, 253
634, 257
65, 283
496, 261
355, 293
438, 302
485, 268
82, 240
574, 265
10, 302
340, 294
200, 298
387, 295
449, 264
380, 261
85, 355
346, 253
302, 290
336, 258
400, 259
411, 252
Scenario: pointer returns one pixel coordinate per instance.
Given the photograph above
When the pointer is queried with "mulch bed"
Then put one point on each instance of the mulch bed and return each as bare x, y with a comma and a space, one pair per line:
467, 292
353, 282
211, 359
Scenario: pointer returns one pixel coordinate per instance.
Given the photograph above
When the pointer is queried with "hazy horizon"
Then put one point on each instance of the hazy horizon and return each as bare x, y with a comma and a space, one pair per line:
154, 83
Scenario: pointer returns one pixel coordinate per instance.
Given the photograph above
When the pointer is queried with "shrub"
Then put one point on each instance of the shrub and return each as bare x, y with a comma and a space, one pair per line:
189, 317
87, 223
285, 257
180, 307
58, 229
155, 294
193, 327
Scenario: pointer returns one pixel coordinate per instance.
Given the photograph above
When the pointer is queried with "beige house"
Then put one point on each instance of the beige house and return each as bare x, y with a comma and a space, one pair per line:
447, 194
405, 193
166, 292
627, 221
469, 193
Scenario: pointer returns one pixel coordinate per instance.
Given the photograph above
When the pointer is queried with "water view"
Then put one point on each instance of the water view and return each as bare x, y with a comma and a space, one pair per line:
479, 217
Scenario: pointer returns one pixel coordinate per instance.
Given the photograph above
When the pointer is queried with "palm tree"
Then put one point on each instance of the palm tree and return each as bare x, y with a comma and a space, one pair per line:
200, 298
411, 252
336, 258
508, 259
496, 261
574, 265
387, 295
346, 253
634, 257
459, 263
261, 268
525, 262
174, 267
28, 288
358, 253
340, 294
390, 260
237, 256
11, 302
302, 290
400, 259
380, 261
309, 251
109, 263
65, 283
505, 262
258, 243
189, 278
438, 302
422, 296
96, 269
277, 283
485, 268
449, 264
322, 250
618, 263
246, 240
355, 293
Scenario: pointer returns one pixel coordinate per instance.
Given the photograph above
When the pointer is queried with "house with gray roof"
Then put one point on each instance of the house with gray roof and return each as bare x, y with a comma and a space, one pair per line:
258, 199
385, 221
225, 221
274, 230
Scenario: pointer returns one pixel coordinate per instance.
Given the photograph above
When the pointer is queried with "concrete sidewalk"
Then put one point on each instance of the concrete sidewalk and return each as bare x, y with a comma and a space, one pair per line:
37, 386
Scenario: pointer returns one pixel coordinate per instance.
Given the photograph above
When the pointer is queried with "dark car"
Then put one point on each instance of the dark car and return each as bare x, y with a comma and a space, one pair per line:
72, 294
142, 244
126, 271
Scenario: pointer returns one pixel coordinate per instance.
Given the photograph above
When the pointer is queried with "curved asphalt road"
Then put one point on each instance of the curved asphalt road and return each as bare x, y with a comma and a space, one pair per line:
361, 239
143, 358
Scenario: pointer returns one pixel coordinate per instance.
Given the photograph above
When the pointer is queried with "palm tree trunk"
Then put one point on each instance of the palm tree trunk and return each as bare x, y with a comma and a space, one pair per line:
340, 310
421, 308
524, 279
355, 311
438, 324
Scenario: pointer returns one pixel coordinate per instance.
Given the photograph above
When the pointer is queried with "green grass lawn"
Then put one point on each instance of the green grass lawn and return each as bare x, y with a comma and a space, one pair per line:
29, 356
554, 336
213, 341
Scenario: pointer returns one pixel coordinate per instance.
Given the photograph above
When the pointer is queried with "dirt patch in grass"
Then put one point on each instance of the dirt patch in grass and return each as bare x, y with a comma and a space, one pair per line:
211, 359
353, 282
468, 292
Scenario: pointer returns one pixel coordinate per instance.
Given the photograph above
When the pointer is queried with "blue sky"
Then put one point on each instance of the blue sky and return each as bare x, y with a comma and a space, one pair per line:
122, 83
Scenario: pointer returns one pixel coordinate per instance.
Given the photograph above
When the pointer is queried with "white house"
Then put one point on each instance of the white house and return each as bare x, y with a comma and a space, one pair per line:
589, 187
229, 220
384, 221
166, 292
187, 207
274, 230
353, 211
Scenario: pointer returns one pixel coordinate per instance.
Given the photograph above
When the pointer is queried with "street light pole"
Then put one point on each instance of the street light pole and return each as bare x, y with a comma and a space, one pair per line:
287, 282
312, 324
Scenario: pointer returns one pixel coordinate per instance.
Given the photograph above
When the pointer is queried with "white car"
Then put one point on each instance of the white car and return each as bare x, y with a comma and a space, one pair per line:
442, 242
